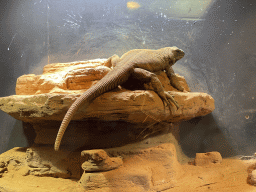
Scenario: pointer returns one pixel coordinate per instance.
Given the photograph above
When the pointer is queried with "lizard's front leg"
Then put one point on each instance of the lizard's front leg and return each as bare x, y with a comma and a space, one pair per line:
173, 79
146, 76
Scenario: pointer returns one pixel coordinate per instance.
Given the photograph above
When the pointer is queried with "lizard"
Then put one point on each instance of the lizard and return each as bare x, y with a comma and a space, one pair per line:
140, 64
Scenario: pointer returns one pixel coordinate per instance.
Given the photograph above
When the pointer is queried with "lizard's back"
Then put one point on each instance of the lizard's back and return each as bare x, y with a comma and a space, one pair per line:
151, 60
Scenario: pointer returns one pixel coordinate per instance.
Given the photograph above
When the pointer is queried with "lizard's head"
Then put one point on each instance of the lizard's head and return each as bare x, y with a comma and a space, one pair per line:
174, 54
178, 53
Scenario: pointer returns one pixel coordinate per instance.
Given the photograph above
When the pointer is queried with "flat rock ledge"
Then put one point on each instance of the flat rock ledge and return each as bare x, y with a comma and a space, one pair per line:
131, 106
49, 96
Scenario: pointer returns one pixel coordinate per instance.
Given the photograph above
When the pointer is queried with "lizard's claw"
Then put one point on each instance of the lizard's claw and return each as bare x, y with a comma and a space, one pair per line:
168, 99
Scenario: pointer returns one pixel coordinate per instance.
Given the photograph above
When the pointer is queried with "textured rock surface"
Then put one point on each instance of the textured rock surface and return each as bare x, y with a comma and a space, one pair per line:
41, 161
98, 160
152, 169
48, 97
101, 134
61, 77
114, 119
146, 168
251, 179
203, 159
228, 176
131, 106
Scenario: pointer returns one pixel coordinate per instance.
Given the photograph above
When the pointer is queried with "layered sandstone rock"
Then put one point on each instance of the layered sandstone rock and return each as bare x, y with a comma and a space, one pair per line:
98, 161
48, 97
43, 100
128, 168
203, 159
61, 77
152, 169
120, 118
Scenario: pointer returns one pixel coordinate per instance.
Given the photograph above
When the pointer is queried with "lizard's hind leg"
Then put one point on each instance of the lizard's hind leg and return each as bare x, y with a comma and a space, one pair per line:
112, 61
147, 76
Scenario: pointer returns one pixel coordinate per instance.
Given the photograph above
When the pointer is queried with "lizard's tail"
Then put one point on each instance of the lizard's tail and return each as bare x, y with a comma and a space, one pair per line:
107, 83
71, 111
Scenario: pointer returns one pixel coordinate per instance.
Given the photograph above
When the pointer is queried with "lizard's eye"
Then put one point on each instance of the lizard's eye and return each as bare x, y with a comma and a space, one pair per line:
178, 51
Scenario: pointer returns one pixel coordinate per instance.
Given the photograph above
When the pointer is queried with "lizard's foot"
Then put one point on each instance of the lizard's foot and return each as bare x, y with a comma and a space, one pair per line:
168, 99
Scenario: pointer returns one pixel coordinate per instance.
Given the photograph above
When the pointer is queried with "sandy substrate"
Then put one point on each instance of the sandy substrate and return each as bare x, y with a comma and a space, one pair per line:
230, 175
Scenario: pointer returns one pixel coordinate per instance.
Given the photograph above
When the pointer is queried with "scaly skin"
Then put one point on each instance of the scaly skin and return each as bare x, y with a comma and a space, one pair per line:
138, 63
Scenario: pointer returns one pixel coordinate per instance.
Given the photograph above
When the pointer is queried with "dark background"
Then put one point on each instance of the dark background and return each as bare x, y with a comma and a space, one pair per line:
220, 58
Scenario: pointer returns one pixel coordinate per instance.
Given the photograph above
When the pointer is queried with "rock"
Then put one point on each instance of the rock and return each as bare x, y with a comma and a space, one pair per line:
152, 169
137, 114
2, 164
203, 159
252, 177
131, 106
48, 96
42, 161
24, 171
62, 76
145, 167
135, 174
2, 170
95, 155
98, 160
13, 165
115, 118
